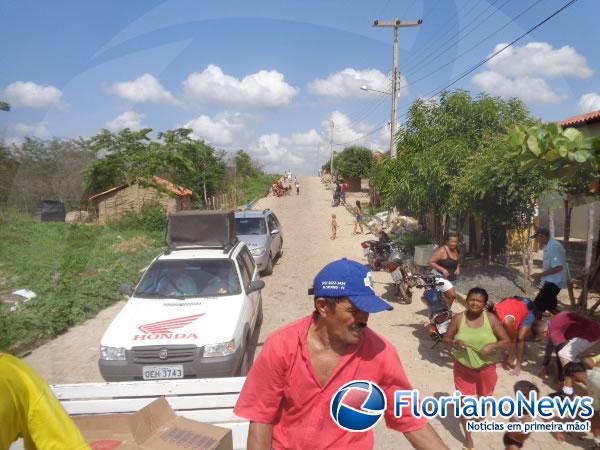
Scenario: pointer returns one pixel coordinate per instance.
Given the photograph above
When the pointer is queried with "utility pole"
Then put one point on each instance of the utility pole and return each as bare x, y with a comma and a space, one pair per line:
331, 144
395, 24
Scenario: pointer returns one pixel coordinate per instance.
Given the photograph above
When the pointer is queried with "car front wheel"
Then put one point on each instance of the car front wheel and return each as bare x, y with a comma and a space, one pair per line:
269, 269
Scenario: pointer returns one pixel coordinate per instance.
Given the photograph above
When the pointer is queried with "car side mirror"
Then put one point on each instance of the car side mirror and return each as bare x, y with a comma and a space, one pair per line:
126, 289
274, 232
255, 285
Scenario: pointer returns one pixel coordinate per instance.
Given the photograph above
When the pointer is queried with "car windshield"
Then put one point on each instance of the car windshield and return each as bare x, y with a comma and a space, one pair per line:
250, 226
189, 278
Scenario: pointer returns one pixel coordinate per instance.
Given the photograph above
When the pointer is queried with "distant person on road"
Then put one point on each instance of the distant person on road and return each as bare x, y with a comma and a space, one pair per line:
475, 335
288, 392
444, 262
517, 317
333, 226
29, 410
297, 188
358, 215
344, 189
554, 272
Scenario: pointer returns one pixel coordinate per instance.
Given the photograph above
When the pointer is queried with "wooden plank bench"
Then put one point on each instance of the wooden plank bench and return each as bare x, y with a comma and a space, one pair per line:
205, 400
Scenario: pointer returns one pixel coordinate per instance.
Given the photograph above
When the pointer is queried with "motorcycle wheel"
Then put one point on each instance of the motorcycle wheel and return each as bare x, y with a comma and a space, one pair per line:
372, 262
404, 293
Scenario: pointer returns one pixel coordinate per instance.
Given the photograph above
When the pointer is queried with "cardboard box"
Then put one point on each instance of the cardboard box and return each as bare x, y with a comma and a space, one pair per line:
154, 427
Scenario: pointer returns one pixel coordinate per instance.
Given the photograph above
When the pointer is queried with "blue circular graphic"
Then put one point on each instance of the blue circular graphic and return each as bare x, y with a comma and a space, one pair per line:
358, 406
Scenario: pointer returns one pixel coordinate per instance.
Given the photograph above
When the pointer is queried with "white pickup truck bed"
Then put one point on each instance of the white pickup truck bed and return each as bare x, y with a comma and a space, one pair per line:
206, 400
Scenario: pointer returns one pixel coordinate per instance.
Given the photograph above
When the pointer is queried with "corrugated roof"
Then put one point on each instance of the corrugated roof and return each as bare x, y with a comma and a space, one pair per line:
177, 190
581, 119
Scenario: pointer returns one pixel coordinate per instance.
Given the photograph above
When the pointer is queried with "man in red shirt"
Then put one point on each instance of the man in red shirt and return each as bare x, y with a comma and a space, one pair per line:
517, 316
571, 335
288, 393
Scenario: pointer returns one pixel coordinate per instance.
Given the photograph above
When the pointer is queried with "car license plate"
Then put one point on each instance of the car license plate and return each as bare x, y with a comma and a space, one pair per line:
162, 372
443, 327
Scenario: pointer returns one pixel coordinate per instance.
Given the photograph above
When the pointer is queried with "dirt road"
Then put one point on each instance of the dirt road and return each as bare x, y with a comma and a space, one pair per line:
72, 357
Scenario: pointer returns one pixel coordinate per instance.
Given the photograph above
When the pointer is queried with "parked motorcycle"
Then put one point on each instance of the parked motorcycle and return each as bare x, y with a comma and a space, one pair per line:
440, 315
400, 266
377, 252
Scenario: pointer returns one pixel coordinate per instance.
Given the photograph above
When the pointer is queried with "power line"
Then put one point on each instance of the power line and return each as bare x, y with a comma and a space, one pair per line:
435, 54
476, 66
479, 43
514, 41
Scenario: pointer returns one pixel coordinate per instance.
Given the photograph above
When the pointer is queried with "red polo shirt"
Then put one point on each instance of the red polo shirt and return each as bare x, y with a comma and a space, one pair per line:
512, 307
282, 389
567, 325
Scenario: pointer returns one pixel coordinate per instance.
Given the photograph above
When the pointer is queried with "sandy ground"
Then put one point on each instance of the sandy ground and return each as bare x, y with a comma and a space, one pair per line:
72, 357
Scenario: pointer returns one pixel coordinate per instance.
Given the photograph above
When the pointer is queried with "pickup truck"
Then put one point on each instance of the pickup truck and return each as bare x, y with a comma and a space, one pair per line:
192, 315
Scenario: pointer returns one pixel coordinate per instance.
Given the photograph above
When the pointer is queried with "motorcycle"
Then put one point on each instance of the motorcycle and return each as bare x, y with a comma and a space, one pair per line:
440, 315
401, 268
378, 252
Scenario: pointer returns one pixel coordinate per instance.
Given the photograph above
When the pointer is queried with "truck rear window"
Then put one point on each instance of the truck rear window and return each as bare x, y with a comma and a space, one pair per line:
190, 278
250, 226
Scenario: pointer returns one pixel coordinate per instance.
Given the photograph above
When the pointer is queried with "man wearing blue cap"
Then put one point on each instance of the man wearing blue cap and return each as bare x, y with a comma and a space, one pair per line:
288, 393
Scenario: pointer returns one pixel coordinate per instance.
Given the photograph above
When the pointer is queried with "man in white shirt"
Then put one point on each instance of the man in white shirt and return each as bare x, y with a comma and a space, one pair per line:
554, 272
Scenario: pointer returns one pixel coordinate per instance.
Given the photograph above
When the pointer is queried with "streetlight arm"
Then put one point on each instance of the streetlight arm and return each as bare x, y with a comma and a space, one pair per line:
365, 88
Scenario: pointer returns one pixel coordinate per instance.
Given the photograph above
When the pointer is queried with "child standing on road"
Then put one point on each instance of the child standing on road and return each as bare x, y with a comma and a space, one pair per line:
333, 226
359, 217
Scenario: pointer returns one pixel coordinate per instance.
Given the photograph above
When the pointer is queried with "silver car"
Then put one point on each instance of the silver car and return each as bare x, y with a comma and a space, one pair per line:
262, 233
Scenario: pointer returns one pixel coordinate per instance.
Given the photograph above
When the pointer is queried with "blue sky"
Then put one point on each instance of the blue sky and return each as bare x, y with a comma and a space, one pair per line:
270, 76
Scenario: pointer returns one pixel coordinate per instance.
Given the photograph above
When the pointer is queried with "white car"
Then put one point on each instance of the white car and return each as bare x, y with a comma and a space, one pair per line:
193, 314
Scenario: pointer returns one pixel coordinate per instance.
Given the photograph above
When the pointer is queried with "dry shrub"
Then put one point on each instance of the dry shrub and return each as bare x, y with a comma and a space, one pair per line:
132, 245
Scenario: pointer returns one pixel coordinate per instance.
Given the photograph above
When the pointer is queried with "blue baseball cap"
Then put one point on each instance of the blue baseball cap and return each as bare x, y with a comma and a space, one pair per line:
346, 278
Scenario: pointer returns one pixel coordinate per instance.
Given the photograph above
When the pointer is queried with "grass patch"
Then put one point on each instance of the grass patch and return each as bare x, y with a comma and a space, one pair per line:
411, 239
256, 187
75, 270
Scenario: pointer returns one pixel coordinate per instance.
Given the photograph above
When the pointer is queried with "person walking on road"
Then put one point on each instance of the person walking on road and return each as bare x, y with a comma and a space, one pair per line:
553, 275
475, 335
297, 187
444, 262
358, 215
290, 387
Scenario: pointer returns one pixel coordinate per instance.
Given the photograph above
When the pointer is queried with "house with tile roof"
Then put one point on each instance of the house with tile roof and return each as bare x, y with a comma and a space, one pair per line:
113, 204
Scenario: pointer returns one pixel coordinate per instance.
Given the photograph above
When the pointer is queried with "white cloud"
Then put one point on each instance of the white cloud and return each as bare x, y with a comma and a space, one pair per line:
261, 89
540, 58
528, 89
589, 102
347, 83
32, 95
129, 119
19, 131
345, 131
143, 89
213, 131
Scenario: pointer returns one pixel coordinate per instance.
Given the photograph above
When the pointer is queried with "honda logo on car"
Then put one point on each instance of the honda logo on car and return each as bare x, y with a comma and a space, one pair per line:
164, 329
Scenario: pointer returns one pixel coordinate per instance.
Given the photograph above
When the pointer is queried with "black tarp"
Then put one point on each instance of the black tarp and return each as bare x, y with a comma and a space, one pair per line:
201, 228
52, 211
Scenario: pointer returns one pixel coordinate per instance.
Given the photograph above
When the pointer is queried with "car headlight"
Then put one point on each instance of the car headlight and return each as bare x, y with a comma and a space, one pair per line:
220, 349
112, 353
257, 251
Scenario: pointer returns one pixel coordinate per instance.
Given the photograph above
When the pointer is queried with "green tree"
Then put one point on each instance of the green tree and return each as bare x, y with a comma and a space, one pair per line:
435, 144
244, 165
353, 162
